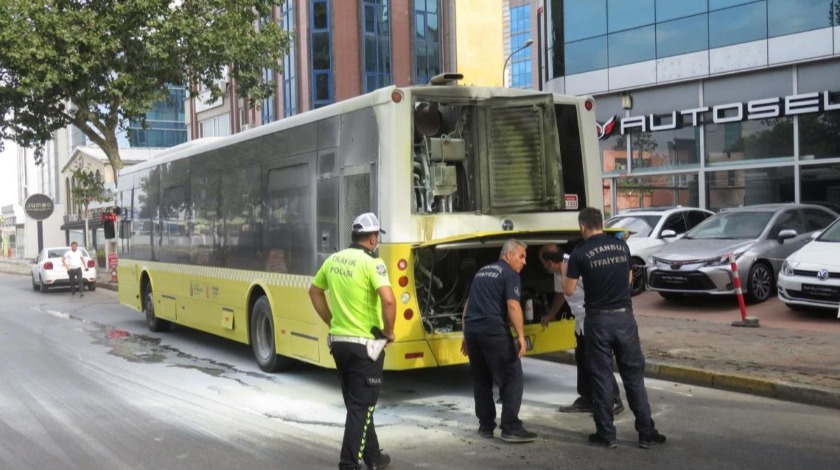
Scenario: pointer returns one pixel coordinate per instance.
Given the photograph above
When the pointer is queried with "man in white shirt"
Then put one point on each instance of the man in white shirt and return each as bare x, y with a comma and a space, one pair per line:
74, 262
554, 261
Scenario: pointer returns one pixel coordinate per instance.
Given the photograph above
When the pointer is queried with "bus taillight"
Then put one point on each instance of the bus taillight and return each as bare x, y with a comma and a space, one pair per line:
396, 96
408, 314
402, 264
414, 355
588, 104
403, 281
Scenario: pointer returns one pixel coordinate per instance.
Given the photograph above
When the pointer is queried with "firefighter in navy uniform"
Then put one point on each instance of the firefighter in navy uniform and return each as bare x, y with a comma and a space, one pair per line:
363, 307
603, 262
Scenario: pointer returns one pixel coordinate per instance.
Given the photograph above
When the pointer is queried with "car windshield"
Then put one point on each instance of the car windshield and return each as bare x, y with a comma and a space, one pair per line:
640, 225
831, 234
59, 252
732, 225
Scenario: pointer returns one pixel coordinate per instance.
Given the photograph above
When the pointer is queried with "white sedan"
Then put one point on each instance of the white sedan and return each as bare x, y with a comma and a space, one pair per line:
810, 277
48, 270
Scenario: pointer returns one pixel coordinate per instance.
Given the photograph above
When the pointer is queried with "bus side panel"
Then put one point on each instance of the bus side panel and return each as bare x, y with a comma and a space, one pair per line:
129, 284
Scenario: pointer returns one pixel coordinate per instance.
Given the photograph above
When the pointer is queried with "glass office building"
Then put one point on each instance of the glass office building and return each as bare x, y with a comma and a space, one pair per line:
712, 103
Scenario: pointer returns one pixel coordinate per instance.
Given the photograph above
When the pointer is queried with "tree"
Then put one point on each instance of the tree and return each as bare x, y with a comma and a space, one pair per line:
89, 187
96, 64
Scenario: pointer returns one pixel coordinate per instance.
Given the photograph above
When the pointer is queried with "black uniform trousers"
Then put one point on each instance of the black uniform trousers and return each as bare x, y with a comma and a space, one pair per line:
584, 377
494, 359
76, 279
605, 334
361, 379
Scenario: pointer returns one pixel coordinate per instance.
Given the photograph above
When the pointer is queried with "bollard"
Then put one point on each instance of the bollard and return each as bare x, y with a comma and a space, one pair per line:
745, 320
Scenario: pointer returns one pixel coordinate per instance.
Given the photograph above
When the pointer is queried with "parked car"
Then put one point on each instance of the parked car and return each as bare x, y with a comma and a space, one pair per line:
811, 276
759, 238
48, 270
651, 229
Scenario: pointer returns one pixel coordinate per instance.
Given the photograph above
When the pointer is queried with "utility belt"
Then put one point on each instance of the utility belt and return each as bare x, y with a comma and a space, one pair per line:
602, 311
347, 339
374, 347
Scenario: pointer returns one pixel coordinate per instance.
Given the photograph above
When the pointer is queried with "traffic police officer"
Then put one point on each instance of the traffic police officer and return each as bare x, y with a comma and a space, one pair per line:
603, 263
361, 318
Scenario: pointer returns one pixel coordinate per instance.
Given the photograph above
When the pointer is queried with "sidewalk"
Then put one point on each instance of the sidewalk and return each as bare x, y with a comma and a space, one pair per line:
697, 347
793, 365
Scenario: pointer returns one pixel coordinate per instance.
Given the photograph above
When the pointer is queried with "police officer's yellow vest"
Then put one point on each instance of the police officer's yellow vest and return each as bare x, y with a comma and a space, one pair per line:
351, 278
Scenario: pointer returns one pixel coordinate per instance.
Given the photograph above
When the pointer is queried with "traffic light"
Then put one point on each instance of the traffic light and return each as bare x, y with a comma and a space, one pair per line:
108, 219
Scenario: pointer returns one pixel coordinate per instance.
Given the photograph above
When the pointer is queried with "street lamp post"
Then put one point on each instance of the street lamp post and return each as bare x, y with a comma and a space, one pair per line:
504, 68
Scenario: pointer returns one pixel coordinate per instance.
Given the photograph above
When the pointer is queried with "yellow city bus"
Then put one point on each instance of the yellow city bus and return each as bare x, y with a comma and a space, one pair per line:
225, 236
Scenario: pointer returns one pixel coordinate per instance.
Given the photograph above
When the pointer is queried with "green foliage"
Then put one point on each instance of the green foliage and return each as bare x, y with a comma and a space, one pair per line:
98, 63
90, 187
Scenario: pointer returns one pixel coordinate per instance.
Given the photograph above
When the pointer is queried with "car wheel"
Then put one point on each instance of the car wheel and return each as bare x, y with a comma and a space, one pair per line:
154, 323
638, 267
92, 286
760, 283
43, 286
671, 295
262, 338
34, 285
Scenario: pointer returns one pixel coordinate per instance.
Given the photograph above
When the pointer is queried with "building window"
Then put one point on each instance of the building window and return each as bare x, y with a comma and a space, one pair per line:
267, 111
290, 95
752, 186
376, 48
320, 32
520, 32
218, 126
738, 25
426, 40
164, 125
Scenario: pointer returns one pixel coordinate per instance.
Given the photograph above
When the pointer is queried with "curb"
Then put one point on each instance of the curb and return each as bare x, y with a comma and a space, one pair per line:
722, 381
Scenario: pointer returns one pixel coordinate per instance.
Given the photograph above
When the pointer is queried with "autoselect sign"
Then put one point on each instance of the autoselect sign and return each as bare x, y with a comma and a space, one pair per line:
38, 206
766, 108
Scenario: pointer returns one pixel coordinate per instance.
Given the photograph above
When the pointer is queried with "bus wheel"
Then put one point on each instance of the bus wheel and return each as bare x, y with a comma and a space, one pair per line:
262, 338
154, 323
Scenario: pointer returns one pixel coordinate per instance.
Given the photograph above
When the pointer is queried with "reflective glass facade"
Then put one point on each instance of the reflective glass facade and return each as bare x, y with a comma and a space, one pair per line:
520, 32
597, 34
164, 126
751, 138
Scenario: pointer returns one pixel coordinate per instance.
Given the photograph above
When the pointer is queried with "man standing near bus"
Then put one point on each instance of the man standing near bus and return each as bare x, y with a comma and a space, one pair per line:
492, 305
555, 261
603, 263
361, 321
74, 262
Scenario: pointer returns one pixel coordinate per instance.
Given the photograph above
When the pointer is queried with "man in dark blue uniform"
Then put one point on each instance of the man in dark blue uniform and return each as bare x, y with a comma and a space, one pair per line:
603, 263
492, 307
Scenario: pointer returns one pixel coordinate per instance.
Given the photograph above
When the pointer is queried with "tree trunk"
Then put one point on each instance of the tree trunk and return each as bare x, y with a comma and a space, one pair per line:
87, 229
112, 150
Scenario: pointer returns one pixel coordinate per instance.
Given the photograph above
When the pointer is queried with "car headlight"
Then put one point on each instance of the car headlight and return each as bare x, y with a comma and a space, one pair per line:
787, 269
723, 260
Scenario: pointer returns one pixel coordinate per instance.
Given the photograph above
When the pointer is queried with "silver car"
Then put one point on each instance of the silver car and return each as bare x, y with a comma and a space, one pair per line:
758, 238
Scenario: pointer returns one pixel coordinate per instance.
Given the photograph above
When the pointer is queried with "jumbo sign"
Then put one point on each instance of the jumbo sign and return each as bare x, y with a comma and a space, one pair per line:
766, 108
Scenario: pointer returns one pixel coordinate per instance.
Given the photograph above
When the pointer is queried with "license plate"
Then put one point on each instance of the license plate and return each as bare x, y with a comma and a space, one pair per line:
828, 292
674, 279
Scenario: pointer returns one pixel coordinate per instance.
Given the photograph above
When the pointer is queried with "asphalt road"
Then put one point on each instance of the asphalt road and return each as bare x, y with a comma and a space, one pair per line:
83, 385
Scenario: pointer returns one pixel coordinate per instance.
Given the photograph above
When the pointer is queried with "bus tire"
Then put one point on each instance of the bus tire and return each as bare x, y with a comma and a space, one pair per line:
262, 338
154, 323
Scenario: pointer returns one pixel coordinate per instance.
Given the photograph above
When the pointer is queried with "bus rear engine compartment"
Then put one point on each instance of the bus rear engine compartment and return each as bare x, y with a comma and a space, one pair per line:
443, 278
